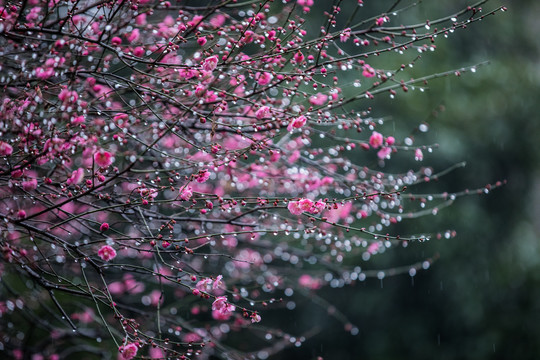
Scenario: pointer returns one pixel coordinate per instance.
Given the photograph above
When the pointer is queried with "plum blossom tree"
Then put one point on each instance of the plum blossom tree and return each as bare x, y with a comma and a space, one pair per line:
171, 169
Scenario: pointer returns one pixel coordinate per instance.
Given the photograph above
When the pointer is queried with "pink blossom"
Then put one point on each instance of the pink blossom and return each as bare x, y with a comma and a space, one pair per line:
104, 227
76, 177
103, 158
191, 337
318, 99
294, 208
204, 284
116, 41
298, 57
200, 90
380, 21
390, 140
275, 156
116, 288
376, 140
17, 174
373, 248
248, 36
30, 184
318, 207
202, 40
271, 35
78, 120
309, 282
218, 20
294, 156
107, 253
85, 317
262, 112
195, 21
345, 35
5, 149
133, 36
255, 318
222, 306
248, 257
132, 286
306, 3
156, 297
138, 51
141, 19
120, 117
327, 180
384, 152
297, 123
222, 316
33, 14
203, 176
210, 63
186, 193
218, 283
264, 78
128, 351
368, 71
44, 74
305, 204
418, 155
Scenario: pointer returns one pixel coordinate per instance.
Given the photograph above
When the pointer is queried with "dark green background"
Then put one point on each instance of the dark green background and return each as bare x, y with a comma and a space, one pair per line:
480, 300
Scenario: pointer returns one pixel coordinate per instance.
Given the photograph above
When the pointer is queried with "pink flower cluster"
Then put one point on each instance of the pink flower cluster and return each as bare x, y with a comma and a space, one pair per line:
309, 282
306, 205
307, 4
208, 284
376, 141
103, 158
210, 63
5, 149
186, 193
318, 99
368, 71
107, 253
203, 175
128, 351
264, 78
262, 112
297, 123
221, 309
76, 177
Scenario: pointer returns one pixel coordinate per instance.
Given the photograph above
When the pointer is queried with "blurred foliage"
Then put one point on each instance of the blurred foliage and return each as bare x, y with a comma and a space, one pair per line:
479, 300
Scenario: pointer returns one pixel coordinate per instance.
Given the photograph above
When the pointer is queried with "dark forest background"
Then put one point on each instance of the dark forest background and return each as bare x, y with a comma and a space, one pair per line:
479, 300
